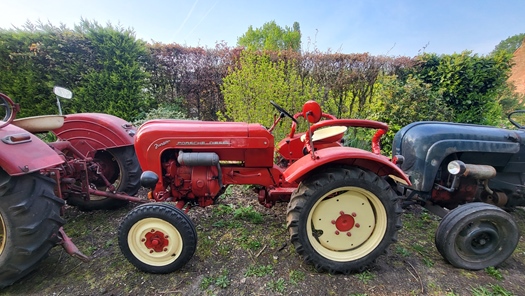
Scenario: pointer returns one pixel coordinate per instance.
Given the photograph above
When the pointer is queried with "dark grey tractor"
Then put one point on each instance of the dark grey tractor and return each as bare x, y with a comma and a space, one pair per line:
471, 176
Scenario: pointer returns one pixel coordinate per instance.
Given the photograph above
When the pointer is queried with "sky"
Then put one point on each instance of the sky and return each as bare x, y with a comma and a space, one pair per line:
379, 27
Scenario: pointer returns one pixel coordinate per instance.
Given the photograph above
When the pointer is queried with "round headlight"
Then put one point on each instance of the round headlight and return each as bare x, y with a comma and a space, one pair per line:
456, 167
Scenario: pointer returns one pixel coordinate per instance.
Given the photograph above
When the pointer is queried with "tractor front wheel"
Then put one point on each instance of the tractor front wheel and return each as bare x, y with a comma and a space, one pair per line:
29, 223
476, 236
157, 238
342, 219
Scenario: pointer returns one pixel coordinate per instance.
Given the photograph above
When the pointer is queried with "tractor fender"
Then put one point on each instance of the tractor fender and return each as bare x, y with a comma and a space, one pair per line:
22, 152
375, 163
89, 132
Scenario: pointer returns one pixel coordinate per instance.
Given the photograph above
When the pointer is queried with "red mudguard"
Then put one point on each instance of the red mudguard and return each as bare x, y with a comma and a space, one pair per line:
22, 152
89, 132
378, 164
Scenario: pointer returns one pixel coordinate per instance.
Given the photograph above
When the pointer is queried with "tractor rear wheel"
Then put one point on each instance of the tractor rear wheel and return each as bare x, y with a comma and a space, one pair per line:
121, 168
476, 236
342, 219
29, 223
157, 238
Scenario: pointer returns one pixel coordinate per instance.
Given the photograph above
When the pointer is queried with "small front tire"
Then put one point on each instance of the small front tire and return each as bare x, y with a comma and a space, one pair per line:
476, 236
157, 238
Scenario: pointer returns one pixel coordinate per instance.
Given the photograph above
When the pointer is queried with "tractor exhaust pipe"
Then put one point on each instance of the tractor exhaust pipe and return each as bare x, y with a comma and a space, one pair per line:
475, 171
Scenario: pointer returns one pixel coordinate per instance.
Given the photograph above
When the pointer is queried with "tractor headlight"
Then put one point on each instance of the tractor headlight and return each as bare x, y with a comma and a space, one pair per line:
456, 167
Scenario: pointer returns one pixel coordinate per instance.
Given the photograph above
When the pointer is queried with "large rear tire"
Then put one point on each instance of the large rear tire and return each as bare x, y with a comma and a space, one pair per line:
29, 223
121, 167
476, 236
157, 238
342, 219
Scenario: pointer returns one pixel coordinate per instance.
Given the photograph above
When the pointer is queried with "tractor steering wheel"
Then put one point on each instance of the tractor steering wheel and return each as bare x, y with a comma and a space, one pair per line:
7, 104
282, 111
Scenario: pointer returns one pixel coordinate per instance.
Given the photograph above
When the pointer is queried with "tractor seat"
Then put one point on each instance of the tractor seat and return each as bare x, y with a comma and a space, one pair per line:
327, 134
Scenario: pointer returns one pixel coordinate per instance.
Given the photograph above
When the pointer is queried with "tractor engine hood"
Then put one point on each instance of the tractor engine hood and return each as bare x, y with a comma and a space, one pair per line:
248, 144
424, 145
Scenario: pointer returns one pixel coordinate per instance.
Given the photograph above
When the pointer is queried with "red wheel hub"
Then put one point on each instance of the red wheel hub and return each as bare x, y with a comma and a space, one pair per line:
156, 240
344, 222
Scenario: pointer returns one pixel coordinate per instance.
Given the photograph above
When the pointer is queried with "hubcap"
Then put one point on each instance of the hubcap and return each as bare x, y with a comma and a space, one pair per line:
155, 242
347, 224
478, 239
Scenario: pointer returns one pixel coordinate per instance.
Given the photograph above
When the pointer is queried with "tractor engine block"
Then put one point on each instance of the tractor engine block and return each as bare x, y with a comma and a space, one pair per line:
194, 177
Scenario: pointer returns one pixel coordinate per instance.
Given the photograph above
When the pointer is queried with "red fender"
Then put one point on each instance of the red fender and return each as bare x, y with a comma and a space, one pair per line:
378, 164
89, 132
22, 152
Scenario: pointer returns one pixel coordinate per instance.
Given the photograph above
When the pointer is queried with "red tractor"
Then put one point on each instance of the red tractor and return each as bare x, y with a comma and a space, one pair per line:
92, 165
342, 212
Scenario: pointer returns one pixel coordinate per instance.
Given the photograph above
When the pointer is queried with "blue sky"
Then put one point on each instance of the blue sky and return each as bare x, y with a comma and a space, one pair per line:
380, 27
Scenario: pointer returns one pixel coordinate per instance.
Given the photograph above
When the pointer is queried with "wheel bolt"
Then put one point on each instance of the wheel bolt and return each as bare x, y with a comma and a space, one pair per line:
348, 234
354, 214
357, 225
166, 237
333, 221
342, 213
153, 230
337, 232
143, 240
165, 249
151, 251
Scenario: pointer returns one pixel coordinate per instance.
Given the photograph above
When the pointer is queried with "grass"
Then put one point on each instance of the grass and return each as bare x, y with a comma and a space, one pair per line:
490, 290
248, 214
259, 270
222, 281
493, 272
296, 277
278, 285
365, 276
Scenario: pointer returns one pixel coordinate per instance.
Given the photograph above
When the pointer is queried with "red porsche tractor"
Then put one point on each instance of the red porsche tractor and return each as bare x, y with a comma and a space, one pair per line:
342, 212
92, 165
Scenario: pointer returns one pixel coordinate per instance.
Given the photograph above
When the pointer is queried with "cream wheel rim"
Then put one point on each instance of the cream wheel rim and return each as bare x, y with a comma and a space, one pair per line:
346, 224
155, 242
3, 234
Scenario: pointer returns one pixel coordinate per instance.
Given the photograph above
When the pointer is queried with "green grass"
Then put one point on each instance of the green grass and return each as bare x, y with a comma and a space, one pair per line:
248, 214
259, 270
278, 285
365, 276
296, 277
490, 290
495, 273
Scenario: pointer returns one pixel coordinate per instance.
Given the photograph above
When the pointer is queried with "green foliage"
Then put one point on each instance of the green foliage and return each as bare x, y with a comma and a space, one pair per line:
365, 276
259, 270
510, 44
272, 37
296, 277
470, 84
115, 81
101, 65
248, 214
493, 272
399, 103
164, 111
258, 80
278, 285
221, 281
490, 290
